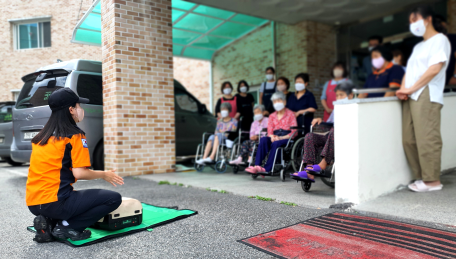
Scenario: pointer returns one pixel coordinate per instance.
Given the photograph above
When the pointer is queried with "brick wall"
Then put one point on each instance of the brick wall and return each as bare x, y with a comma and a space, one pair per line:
194, 75
304, 47
451, 9
16, 63
245, 59
138, 90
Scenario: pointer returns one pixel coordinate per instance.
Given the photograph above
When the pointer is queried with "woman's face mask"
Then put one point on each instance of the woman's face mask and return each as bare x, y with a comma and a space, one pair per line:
300, 86
243, 89
343, 99
224, 113
227, 91
269, 76
378, 62
418, 28
278, 106
338, 73
258, 117
79, 115
281, 88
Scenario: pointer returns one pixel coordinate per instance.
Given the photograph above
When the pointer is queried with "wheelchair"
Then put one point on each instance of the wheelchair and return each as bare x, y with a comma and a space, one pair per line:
328, 177
224, 151
288, 155
237, 150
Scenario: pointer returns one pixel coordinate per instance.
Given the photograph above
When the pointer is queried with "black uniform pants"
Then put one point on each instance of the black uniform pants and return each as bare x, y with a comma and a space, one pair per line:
81, 209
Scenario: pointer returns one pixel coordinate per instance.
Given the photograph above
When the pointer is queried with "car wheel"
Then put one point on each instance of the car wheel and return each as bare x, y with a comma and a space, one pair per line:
98, 157
11, 162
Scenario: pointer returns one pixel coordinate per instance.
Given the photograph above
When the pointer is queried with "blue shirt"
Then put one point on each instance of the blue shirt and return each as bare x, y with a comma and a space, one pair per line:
306, 101
391, 76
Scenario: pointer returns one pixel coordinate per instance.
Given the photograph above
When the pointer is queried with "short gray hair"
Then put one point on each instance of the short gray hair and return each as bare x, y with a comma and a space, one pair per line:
259, 106
278, 96
226, 106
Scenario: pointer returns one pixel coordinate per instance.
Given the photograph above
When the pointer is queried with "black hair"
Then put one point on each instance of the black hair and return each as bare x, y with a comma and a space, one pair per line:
426, 11
239, 85
303, 76
223, 85
346, 86
339, 64
376, 37
60, 125
287, 82
397, 52
270, 68
385, 52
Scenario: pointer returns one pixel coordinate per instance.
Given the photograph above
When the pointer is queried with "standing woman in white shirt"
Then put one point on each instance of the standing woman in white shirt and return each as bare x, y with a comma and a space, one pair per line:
422, 94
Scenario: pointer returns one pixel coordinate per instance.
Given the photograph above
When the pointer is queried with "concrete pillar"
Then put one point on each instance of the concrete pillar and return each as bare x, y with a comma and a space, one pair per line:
138, 94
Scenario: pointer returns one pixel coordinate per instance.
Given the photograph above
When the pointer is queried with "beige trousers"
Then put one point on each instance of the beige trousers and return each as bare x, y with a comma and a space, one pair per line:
421, 136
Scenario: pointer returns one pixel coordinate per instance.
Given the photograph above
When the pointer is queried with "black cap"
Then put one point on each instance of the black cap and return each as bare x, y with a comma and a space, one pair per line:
64, 97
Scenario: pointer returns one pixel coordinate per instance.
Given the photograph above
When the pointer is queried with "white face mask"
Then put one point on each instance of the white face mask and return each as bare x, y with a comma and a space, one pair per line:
300, 87
269, 76
281, 88
79, 116
224, 113
418, 28
258, 117
243, 89
344, 99
227, 91
338, 73
279, 106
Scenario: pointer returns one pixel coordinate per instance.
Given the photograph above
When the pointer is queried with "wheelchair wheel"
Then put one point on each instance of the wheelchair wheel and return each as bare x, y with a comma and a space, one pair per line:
199, 167
296, 154
305, 185
254, 176
328, 181
282, 175
221, 167
235, 169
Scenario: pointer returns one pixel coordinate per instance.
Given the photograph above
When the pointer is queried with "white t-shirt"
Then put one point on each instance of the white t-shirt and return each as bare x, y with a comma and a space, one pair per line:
269, 86
425, 54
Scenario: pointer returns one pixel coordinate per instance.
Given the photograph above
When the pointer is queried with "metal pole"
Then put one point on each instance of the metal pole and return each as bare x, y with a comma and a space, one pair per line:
211, 86
273, 33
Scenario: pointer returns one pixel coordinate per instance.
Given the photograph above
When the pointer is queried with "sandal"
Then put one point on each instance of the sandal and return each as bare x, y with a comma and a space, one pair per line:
302, 176
420, 186
251, 169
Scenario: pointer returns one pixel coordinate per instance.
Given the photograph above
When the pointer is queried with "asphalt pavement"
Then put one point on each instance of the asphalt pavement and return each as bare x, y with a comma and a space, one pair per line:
222, 219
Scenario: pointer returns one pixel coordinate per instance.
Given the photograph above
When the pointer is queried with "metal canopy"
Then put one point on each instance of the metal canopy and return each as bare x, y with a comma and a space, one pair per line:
198, 30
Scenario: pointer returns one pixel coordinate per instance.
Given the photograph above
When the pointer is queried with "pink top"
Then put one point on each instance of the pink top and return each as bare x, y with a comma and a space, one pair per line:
256, 127
288, 120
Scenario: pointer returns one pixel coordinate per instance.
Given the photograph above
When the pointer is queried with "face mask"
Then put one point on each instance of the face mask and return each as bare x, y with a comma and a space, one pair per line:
378, 62
300, 87
418, 28
338, 73
281, 88
243, 89
224, 113
227, 91
269, 76
344, 99
258, 117
79, 115
370, 48
279, 106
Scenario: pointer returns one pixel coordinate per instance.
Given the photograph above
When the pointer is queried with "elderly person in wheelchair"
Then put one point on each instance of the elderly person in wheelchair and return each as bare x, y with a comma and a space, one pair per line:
224, 125
315, 141
259, 123
280, 125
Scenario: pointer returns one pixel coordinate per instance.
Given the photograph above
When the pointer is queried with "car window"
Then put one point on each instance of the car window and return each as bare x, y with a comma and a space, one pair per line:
91, 87
186, 102
34, 94
6, 114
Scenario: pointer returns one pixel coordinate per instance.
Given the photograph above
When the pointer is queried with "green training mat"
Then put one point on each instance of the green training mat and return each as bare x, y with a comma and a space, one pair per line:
153, 216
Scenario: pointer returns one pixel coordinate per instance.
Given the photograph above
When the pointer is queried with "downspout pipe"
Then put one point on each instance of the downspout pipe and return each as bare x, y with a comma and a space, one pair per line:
273, 33
211, 85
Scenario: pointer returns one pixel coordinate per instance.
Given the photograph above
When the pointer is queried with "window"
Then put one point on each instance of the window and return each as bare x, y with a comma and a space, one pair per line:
34, 94
91, 87
6, 113
15, 93
186, 102
31, 35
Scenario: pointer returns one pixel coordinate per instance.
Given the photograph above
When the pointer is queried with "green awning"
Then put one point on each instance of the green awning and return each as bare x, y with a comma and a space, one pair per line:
198, 30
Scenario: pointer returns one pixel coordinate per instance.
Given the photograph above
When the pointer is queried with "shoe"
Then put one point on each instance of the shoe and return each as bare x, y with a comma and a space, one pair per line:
200, 161
237, 161
251, 169
43, 227
260, 169
65, 232
208, 160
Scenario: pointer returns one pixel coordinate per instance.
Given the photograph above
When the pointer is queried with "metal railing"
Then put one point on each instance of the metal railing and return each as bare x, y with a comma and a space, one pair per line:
356, 91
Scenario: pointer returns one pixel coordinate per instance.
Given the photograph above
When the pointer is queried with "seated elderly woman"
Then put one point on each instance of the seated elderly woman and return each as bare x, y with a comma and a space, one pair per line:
259, 123
279, 131
224, 125
315, 141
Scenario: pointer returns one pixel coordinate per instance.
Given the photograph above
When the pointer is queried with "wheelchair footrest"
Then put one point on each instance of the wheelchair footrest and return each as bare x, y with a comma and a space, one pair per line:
323, 173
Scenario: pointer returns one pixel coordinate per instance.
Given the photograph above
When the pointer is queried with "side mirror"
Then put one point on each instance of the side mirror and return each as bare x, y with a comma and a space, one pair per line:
202, 108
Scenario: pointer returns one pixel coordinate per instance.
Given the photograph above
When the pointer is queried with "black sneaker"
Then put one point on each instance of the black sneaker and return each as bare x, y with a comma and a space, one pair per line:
43, 227
65, 232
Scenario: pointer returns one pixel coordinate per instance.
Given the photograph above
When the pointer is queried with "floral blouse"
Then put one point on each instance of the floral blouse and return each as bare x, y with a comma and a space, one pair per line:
288, 120
256, 127
222, 126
